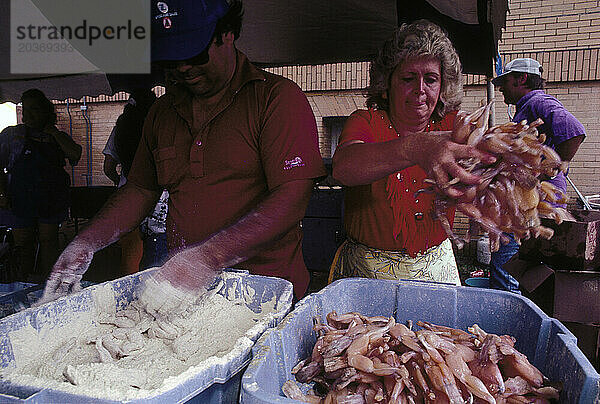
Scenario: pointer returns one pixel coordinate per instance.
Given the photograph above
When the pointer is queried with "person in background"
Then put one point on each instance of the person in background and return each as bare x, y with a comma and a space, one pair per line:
111, 165
522, 85
118, 153
34, 186
237, 149
154, 236
386, 152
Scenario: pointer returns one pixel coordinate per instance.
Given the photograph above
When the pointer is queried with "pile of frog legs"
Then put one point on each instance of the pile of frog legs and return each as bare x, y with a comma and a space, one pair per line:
359, 359
511, 198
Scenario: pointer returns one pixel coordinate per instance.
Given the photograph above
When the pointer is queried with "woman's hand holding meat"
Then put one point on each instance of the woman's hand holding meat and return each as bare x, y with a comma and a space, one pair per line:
438, 155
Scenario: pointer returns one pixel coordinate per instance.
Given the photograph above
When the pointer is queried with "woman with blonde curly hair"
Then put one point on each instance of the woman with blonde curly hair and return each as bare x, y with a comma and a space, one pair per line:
386, 152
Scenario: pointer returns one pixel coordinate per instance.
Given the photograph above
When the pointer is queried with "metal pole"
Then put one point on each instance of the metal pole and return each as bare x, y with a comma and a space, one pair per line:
586, 204
490, 97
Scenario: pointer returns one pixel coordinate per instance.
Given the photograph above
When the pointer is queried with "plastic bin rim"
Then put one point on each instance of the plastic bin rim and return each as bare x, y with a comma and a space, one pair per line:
260, 349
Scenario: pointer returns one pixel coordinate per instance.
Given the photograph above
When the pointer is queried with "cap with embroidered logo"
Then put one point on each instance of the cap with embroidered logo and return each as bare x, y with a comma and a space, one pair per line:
521, 65
184, 28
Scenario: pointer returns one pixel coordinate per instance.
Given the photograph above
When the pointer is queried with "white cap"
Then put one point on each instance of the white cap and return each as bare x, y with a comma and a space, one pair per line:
521, 65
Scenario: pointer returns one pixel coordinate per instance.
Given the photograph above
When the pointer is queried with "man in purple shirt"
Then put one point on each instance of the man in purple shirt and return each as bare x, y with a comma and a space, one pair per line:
522, 85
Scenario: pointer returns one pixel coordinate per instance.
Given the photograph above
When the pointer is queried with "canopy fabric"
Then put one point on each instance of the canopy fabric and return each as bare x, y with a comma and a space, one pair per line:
476, 43
300, 32
312, 32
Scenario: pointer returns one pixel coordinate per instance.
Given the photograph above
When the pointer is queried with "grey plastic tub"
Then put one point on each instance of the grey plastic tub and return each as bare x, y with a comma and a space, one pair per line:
218, 383
20, 296
546, 342
16, 296
8, 288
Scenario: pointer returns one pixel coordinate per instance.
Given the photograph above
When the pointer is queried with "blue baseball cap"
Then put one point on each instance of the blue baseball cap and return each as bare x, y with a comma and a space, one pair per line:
184, 28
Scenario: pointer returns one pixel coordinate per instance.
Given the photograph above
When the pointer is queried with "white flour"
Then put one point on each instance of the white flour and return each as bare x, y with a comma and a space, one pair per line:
158, 355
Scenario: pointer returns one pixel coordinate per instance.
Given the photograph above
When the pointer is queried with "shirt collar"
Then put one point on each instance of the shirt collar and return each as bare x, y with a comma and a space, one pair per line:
527, 97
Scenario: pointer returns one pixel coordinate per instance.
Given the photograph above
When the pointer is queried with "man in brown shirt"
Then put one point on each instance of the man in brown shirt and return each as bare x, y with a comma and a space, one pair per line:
236, 147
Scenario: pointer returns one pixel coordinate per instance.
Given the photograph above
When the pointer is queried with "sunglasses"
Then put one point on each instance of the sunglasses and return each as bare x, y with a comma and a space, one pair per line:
200, 59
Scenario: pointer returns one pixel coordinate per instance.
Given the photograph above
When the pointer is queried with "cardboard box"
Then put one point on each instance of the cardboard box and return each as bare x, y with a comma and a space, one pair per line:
571, 297
536, 281
574, 246
588, 340
566, 295
577, 296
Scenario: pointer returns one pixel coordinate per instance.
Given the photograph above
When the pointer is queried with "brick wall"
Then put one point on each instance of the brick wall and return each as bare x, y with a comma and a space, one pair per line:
333, 76
102, 117
551, 25
338, 103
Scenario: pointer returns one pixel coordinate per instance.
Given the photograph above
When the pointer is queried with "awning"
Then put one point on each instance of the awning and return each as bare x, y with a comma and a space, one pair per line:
301, 32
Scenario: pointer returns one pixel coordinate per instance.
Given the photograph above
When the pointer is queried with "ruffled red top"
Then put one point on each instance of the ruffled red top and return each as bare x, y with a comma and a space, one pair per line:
390, 214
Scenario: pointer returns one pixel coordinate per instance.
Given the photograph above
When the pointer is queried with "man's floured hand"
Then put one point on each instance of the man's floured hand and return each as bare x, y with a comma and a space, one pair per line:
177, 285
60, 284
67, 272
160, 298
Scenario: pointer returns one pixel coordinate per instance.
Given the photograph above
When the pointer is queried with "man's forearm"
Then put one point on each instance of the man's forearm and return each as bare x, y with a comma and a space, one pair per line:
271, 219
121, 213
567, 149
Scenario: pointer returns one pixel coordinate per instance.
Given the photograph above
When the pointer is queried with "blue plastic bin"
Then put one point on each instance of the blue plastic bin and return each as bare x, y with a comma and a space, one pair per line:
546, 342
22, 296
8, 288
219, 383
17, 296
